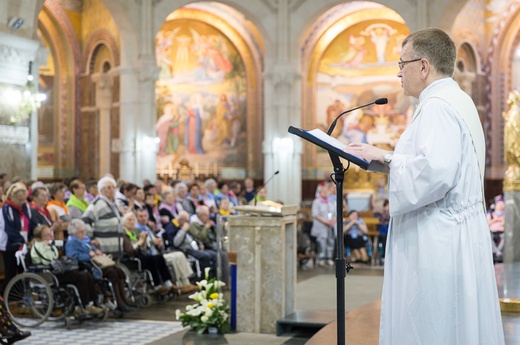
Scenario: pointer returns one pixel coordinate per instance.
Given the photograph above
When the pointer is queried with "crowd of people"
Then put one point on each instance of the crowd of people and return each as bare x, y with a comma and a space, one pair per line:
167, 226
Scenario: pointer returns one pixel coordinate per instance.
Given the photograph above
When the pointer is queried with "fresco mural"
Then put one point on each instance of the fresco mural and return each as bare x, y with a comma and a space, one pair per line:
201, 97
357, 67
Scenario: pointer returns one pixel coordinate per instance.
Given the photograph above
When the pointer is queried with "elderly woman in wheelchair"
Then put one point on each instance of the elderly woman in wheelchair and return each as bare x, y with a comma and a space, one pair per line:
80, 248
43, 252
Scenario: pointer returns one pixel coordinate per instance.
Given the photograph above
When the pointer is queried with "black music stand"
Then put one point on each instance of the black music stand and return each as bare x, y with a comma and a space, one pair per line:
342, 267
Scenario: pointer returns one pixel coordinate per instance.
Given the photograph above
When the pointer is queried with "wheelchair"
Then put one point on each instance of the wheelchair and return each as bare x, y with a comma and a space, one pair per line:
35, 296
140, 284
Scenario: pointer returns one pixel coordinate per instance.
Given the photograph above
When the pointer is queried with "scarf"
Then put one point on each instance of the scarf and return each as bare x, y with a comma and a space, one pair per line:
45, 213
59, 204
79, 204
170, 208
24, 220
131, 235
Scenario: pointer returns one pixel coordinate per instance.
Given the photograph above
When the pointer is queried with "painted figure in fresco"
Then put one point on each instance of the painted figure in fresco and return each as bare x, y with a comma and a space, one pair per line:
212, 57
193, 138
379, 35
182, 58
355, 52
167, 128
224, 117
236, 125
218, 53
333, 111
352, 132
163, 51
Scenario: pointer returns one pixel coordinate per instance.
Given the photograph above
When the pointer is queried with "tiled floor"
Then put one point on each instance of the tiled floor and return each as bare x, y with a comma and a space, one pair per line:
315, 291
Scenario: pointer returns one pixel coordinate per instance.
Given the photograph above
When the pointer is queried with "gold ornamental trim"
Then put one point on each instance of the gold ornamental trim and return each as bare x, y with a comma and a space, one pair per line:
510, 305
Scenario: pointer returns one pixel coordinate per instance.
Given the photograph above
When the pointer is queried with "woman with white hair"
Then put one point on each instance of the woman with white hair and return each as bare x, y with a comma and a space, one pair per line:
103, 218
80, 248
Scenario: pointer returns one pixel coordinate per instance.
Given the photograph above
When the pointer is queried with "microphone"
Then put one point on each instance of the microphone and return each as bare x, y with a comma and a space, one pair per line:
265, 184
333, 124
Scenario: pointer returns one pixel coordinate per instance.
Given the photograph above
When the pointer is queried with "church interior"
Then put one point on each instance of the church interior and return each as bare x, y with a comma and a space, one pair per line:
180, 90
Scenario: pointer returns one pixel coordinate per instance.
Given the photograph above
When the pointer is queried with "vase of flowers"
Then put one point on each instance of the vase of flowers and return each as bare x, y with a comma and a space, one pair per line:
210, 310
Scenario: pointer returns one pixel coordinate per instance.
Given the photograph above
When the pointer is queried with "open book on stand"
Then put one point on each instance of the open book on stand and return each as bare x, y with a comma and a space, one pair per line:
337, 147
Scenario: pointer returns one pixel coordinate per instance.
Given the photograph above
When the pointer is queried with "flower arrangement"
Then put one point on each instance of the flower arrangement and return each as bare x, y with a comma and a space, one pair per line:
210, 309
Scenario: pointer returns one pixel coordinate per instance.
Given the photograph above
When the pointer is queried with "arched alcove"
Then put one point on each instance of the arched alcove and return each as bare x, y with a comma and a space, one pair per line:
209, 92
58, 152
349, 58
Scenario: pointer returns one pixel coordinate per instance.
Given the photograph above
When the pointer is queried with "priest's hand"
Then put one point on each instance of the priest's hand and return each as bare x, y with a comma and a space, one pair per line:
366, 152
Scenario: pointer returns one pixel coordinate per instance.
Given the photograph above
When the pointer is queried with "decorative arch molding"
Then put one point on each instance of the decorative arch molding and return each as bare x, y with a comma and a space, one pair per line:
60, 33
505, 37
100, 37
470, 48
255, 11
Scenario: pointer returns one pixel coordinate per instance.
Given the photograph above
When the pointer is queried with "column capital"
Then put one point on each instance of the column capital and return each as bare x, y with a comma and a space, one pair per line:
102, 80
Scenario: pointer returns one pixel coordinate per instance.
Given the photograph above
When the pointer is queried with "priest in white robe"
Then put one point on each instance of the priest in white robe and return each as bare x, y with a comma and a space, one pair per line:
439, 281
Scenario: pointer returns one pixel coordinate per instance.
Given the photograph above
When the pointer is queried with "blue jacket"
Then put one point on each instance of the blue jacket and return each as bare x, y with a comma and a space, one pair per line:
78, 249
13, 225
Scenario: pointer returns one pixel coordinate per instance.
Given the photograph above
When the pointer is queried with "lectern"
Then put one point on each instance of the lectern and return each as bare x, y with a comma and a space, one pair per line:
264, 240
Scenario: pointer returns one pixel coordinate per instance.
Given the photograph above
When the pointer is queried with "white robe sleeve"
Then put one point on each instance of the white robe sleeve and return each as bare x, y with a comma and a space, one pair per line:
426, 162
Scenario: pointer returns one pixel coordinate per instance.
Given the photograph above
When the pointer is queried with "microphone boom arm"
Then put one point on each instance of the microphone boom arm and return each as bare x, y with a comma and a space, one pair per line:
333, 124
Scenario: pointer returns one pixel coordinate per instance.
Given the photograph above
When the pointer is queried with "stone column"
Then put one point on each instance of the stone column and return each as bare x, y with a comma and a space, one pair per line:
104, 83
282, 151
20, 146
138, 73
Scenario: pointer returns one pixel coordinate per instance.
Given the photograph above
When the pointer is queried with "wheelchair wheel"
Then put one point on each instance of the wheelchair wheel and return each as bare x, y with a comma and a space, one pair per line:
63, 304
28, 299
144, 301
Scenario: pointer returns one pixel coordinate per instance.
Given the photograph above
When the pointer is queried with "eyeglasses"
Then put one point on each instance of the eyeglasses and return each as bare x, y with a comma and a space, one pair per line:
402, 63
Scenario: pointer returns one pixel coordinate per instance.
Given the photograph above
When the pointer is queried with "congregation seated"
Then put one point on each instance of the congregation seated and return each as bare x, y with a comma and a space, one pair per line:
177, 235
169, 207
80, 248
154, 217
355, 233
176, 259
182, 197
125, 197
202, 228
225, 208
43, 252
139, 244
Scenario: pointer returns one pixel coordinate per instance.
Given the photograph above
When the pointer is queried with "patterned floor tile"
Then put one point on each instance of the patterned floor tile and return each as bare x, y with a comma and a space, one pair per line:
107, 333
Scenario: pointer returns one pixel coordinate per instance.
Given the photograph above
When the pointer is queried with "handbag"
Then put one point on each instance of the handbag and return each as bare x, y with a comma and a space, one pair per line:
64, 264
102, 261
